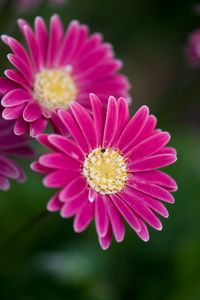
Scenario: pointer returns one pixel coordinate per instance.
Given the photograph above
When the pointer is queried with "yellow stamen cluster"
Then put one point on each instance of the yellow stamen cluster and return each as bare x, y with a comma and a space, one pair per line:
54, 88
105, 171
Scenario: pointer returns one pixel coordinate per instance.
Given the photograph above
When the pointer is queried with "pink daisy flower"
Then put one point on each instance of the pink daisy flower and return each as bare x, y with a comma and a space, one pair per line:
107, 171
58, 69
192, 49
11, 145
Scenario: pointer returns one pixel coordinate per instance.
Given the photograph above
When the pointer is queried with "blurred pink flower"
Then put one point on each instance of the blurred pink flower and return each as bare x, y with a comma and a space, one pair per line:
24, 5
107, 171
11, 145
192, 49
58, 69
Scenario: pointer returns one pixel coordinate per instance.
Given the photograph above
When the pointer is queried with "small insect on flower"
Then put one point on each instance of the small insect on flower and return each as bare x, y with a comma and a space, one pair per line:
108, 169
57, 69
11, 145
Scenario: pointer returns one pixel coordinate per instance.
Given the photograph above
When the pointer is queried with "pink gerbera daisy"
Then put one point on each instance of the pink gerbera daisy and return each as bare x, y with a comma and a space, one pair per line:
58, 68
108, 169
11, 145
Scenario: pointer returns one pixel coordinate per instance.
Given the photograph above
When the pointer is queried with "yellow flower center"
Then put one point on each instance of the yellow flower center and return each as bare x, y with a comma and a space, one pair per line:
54, 88
105, 171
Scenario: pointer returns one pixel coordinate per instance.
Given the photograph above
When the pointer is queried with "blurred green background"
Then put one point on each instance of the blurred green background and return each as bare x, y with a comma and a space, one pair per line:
46, 259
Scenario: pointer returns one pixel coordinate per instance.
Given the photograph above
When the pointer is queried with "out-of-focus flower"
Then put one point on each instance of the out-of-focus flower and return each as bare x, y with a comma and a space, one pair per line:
108, 169
196, 8
29, 5
192, 49
11, 145
58, 69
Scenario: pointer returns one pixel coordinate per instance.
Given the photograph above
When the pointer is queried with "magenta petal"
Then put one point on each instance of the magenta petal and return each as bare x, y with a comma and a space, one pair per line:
73, 206
41, 36
55, 36
116, 221
73, 128
142, 210
21, 127
66, 146
133, 128
11, 113
123, 117
154, 191
106, 240
43, 138
59, 179
83, 217
9, 168
110, 122
58, 161
101, 216
4, 183
32, 112
6, 85
97, 116
149, 146
21, 66
37, 126
151, 202
157, 177
152, 162
85, 123
126, 212
32, 46
73, 189
36, 166
147, 130
54, 203
16, 77
143, 233
19, 50
15, 97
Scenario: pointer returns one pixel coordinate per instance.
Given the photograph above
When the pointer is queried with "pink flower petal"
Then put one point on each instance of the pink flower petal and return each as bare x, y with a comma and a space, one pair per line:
66, 146
55, 36
74, 205
11, 113
83, 217
85, 123
21, 127
21, 66
126, 212
153, 190
59, 179
156, 177
142, 210
41, 36
73, 189
110, 122
58, 161
98, 117
106, 240
7, 85
149, 146
116, 221
32, 112
73, 128
4, 183
101, 216
15, 97
54, 203
133, 128
37, 126
152, 162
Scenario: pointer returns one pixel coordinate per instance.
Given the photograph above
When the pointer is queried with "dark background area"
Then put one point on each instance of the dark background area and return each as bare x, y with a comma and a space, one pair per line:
46, 259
